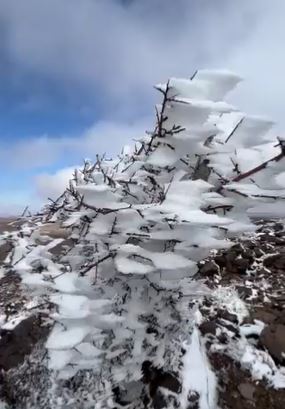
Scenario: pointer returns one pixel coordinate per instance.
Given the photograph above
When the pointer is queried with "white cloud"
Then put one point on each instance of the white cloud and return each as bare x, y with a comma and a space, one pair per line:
35, 153
260, 59
44, 150
100, 138
52, 185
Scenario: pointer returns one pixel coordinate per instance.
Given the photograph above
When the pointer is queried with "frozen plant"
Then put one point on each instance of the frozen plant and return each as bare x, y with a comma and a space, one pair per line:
140, 223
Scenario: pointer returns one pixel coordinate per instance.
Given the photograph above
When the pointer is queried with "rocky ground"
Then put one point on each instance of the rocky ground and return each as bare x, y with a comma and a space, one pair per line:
242, 321
254, 269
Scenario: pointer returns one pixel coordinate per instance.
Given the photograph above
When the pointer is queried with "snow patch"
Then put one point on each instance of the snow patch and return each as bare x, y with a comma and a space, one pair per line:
197, 374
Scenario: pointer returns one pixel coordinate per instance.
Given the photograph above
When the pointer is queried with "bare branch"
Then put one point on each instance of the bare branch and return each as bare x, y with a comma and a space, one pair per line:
234, 130
258, 168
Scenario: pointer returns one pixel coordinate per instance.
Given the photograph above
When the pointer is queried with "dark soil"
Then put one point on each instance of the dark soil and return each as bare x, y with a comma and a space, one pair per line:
256, 269
15, 345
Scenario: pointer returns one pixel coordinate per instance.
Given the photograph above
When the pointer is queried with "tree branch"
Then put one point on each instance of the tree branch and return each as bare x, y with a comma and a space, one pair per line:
263, 165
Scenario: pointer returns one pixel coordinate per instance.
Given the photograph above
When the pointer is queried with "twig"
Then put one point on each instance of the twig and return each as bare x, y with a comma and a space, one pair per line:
263, 165
235, 128
90, 266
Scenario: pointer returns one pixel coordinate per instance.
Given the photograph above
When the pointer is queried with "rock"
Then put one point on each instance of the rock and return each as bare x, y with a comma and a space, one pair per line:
124, 396
278, 226
235, 260
236, 250
223, 339
277, 261
247, 391
156, 378
210, 268
280, 318
165, 380
193, 399
226, 315
208, 327
273, 339
244, 292
264, 316
249, 244
230, 327
17, 344
279, 241
241, 265
258, 252
221, 260
241, 251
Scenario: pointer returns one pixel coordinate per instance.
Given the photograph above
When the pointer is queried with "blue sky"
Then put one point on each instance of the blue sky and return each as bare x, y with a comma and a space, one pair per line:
76, 76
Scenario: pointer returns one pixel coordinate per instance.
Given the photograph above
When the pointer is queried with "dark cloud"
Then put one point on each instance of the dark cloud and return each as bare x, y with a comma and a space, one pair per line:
116, 50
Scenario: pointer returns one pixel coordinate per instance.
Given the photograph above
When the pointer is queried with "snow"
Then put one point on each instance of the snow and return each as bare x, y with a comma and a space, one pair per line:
256, 362
210, 84
221, 82
35, 280
228, 298
67, 283
185, 87
59, 359
61, 338
13, 322
2, 319
219, 107
99, 196
162, 156
88, 350
197, 374
262, 366
101, 225
252, 329
71, 306
186, 114
267, 210
127, 266
280, 179
251, 189
74, 218
171, 261
166, 260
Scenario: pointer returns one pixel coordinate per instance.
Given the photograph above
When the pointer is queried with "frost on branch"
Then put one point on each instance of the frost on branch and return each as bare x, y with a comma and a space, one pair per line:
122, 294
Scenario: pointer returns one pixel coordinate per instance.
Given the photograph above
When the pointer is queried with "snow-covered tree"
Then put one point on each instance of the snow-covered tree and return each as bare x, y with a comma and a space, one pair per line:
122, 295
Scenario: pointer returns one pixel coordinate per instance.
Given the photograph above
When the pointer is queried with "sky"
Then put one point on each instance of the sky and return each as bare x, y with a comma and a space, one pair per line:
76, 77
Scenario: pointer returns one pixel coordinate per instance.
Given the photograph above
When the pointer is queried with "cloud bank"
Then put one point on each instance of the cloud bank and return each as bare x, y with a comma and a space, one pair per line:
52, 185
116, 49
44, 151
